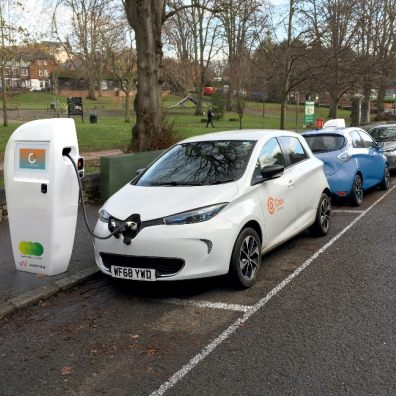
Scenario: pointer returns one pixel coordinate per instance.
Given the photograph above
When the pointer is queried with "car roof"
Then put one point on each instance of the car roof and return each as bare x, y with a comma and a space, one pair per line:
383, 126
241, 134
334, 131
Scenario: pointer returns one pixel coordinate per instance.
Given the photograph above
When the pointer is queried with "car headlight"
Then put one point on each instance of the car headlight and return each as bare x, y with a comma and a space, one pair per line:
104, 216
195, 215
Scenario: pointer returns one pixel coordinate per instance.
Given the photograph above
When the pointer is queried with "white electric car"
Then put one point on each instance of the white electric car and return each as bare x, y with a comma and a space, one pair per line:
211, 205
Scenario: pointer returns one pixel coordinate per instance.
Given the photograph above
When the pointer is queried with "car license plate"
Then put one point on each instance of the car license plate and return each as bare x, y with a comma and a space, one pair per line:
143, 274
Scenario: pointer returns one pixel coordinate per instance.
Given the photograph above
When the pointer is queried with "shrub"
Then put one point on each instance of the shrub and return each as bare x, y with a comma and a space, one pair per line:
218, 105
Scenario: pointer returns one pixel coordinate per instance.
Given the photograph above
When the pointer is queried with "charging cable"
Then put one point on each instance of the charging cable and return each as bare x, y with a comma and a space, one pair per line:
116, 231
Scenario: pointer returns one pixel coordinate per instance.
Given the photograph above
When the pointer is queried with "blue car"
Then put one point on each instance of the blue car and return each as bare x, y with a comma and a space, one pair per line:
353, 161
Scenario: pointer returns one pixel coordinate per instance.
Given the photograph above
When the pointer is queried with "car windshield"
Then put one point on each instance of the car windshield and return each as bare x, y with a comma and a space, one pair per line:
383, 134
199, 164
323, 143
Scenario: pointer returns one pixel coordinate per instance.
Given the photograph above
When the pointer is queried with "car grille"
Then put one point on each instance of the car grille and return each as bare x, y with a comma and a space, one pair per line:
163, 266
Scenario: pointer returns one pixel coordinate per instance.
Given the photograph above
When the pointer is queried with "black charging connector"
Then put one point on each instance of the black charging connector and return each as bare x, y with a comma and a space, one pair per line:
66, 151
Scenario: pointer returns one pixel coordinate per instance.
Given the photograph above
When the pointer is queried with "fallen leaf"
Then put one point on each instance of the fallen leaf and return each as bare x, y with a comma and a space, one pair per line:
66, 370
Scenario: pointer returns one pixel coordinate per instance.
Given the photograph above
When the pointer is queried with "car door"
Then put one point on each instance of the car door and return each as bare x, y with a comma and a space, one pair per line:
301, 179
375, 160
360, 154
276, 195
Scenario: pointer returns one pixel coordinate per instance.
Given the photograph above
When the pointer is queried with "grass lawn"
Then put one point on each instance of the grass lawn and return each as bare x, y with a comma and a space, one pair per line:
113, 132
42, 101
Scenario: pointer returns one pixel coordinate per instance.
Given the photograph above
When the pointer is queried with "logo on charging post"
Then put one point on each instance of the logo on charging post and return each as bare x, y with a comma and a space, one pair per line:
32, 158
31, 249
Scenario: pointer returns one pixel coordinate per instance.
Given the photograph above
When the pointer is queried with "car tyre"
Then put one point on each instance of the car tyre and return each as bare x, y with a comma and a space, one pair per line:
322, 222
246, 258
385, 182
356, 196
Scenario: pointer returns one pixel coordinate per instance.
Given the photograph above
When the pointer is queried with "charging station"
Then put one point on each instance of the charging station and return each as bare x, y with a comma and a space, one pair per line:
42, 193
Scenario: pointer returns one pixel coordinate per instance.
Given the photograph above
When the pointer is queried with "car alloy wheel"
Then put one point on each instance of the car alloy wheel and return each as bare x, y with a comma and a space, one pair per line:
246, 258
357, 191
325, 209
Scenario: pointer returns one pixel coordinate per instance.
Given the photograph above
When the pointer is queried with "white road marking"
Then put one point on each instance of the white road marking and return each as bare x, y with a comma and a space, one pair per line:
175, 378
207, 304
347, 211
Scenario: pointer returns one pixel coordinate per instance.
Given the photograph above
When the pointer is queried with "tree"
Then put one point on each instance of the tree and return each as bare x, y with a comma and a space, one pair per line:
243, 21
91, 23
10, 34
147, 18
122, 56
333, 28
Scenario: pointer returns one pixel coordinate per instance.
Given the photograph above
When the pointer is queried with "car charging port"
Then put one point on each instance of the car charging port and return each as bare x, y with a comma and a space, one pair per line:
128, 228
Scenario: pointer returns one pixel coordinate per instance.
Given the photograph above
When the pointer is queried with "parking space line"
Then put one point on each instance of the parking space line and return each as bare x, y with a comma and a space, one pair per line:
208, 349
347, 211
207, 304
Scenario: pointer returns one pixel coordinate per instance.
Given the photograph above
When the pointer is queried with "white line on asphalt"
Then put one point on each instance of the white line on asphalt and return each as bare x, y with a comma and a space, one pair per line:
175, 378
207, 304
347, 211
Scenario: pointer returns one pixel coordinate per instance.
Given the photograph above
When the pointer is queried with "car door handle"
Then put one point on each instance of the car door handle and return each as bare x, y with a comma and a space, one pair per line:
291, 183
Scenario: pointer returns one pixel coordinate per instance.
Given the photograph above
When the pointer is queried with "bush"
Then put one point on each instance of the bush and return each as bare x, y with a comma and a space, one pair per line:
218, 105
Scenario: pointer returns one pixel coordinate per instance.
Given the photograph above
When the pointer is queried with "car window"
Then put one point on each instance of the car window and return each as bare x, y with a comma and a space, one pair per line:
270, 154
293, 150
322, 143
383, 134
367, 140
199, 163
357, 141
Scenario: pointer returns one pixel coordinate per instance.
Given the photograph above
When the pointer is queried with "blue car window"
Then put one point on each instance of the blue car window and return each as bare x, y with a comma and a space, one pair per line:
367, 140
357, 141
324, 143
293, 150
270, 154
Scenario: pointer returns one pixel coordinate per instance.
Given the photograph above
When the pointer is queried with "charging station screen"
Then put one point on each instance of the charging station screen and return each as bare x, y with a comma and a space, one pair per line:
31, 157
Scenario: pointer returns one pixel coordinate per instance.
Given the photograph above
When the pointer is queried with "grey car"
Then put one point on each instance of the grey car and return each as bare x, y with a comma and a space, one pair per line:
386, 134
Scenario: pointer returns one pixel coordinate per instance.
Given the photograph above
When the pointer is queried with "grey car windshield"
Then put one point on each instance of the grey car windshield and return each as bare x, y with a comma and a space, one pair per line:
199, 163
323, 143
383, 134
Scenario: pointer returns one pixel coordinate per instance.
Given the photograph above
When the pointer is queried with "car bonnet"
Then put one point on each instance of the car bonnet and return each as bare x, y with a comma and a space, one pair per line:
156, 202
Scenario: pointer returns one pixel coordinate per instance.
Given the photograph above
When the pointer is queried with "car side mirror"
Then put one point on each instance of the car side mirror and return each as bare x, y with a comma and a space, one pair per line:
272, 171
379, 145
139, 171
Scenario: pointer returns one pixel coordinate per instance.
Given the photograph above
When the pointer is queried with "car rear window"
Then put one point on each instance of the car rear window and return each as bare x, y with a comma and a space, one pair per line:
383, 134
322, 143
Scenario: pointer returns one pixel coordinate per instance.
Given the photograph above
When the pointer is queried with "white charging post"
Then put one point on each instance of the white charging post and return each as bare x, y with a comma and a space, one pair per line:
42, 194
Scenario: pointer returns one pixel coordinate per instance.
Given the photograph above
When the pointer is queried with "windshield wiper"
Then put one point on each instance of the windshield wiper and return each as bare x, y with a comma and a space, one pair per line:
174, 183
222, 181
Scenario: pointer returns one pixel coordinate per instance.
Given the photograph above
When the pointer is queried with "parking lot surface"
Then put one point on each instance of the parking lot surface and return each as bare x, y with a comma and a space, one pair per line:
320, 320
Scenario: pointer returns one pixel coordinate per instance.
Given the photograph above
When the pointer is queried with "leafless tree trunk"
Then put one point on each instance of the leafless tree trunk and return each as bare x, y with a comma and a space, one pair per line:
146, 17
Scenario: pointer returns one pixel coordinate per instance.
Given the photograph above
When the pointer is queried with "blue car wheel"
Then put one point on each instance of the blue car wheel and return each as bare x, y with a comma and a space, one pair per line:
356, 196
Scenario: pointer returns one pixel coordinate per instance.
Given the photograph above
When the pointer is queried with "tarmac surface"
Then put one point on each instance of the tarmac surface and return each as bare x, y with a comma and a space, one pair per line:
320, 320
18, 289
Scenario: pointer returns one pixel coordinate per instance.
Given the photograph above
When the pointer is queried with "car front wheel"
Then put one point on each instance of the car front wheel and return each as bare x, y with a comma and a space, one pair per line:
246, 258
356, 196
385, 182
